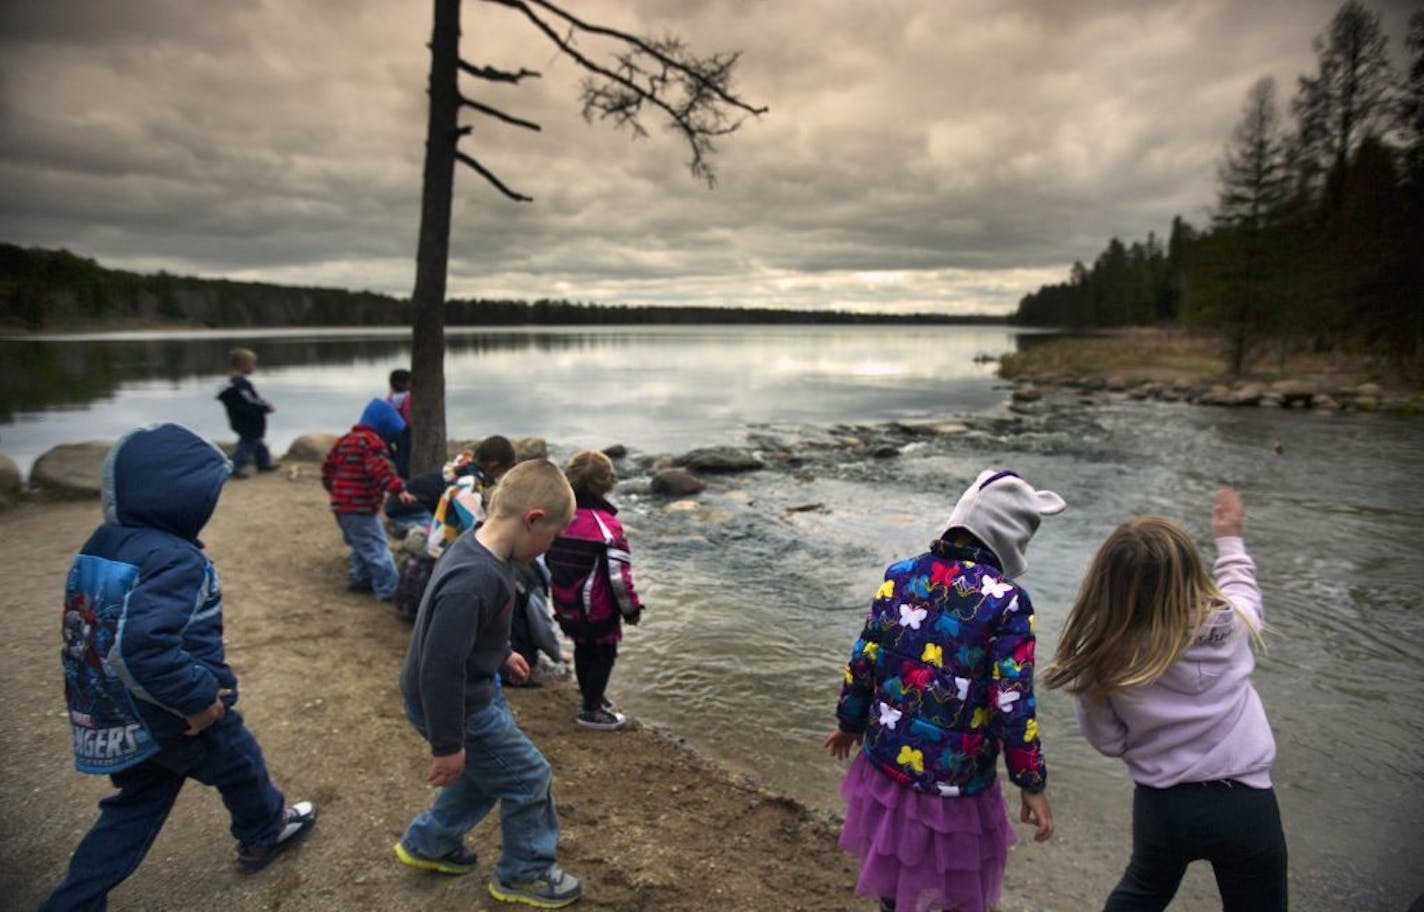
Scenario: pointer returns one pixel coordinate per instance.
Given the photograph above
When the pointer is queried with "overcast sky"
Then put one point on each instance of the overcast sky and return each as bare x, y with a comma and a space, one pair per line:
919, 155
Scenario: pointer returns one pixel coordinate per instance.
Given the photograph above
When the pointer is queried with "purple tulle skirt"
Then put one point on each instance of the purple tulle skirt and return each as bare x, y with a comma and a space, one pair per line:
925, 851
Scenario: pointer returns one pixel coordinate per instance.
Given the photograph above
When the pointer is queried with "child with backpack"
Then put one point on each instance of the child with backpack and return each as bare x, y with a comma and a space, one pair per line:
592, 586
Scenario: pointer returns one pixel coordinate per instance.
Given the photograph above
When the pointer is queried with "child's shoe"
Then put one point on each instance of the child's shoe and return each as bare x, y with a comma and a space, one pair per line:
556, 889
600, 719
460, 860
298, 818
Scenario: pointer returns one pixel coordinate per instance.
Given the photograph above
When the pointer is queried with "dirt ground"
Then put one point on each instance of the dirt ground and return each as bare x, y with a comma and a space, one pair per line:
645, 823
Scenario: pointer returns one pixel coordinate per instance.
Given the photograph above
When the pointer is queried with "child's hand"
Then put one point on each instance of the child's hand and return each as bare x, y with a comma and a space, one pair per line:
406, 497
841, 743
445, 770
1226, 514
516, 667
200, 721
1035, 810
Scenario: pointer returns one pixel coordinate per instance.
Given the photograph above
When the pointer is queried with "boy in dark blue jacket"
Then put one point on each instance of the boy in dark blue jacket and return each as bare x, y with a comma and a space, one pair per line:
149, 690
246, 414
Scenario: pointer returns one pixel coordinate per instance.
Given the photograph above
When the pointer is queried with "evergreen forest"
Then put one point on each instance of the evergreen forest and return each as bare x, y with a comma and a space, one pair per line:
1316, 241
58, 290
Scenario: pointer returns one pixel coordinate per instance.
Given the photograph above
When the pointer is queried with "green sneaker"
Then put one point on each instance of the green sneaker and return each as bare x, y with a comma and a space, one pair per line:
460, 860
554, 890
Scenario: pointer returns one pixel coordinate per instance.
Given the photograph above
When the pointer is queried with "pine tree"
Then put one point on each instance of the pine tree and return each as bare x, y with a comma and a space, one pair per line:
1253, 175
1349, 98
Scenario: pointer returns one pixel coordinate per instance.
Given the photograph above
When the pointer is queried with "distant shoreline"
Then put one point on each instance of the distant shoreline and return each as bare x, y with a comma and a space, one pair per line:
58, 291
703, 317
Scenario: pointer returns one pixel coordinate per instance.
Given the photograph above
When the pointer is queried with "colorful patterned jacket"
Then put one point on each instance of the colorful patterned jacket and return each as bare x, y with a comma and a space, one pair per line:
942, 676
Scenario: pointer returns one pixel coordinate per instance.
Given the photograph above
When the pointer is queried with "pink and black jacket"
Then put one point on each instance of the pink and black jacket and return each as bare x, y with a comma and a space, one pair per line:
592, 583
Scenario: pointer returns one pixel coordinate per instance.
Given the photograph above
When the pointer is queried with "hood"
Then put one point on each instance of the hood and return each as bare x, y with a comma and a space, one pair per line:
382, 417
163, 476
1004, 511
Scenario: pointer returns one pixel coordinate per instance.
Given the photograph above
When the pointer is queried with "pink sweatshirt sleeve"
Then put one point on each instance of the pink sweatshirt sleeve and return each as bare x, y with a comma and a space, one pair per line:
1101, 726
1236, 577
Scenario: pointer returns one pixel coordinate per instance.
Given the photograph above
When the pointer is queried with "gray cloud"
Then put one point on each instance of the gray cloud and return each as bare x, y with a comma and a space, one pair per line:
918, 155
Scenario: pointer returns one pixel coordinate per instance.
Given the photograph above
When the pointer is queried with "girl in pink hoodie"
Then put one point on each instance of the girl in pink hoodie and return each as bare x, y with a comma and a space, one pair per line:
1158, 655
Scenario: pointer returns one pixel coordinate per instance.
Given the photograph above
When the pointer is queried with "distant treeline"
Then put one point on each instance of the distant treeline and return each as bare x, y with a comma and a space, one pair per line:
1317, 238
55, 289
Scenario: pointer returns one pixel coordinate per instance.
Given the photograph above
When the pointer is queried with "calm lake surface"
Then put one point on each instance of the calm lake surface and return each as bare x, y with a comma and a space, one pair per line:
755, 598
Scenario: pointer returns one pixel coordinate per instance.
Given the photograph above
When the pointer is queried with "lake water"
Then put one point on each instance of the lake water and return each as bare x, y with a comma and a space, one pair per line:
755, 598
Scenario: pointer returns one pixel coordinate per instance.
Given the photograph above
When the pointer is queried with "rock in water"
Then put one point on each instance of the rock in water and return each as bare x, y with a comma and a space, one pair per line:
720, 459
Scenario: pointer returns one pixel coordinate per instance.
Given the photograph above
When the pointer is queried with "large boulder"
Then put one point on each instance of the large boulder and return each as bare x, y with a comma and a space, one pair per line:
72, 469
10, 481
720, 459
677, 483
1293, 393
530, 448
311, 447
1247, 394
1026, 394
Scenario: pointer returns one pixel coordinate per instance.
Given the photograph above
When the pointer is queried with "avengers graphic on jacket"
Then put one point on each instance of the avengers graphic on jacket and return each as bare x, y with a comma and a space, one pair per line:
142, 612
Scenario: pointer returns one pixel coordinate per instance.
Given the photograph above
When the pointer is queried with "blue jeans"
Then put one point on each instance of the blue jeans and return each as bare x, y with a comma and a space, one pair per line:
224, 755
254, 448
372, 566
501, 765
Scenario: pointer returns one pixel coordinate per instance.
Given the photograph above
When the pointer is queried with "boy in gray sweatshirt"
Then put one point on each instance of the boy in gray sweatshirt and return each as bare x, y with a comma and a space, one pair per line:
450, 681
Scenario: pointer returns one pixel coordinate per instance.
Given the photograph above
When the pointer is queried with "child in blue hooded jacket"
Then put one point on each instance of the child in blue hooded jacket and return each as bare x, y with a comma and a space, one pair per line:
149, 689
358, 473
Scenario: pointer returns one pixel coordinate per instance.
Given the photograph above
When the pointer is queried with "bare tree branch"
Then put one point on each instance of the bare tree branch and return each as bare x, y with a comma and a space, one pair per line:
670, 52
484, 172
495, 75
693, 92
498, 114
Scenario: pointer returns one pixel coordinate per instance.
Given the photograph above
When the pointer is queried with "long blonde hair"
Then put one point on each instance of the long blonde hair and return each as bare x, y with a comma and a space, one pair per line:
1143, 599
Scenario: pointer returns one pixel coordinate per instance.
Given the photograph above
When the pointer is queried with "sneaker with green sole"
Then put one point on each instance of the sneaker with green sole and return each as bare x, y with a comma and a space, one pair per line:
460, 860
554, 890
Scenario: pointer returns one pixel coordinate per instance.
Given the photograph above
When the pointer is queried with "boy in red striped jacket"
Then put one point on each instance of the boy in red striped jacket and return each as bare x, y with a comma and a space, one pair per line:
358, 473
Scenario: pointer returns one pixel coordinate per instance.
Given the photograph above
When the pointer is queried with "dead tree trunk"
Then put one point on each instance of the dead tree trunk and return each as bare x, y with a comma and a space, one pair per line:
433, 253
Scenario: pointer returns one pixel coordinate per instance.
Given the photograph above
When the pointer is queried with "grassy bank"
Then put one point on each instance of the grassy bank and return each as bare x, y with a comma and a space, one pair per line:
1165, 355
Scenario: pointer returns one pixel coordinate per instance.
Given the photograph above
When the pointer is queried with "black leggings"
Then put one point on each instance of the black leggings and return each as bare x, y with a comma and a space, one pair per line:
593, 666
1236, 828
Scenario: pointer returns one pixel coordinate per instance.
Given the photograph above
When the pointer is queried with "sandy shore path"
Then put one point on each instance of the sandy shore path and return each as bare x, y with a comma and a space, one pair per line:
647, 824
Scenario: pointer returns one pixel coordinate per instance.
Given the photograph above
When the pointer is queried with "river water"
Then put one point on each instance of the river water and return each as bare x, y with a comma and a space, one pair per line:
756, 596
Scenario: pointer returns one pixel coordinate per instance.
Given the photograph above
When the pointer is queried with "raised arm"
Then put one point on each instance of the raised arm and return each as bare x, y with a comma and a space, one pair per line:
1234, 571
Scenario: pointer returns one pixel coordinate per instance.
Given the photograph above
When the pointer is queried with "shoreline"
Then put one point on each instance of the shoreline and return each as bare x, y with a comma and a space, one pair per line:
1175, 365
652, 820
648, 822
